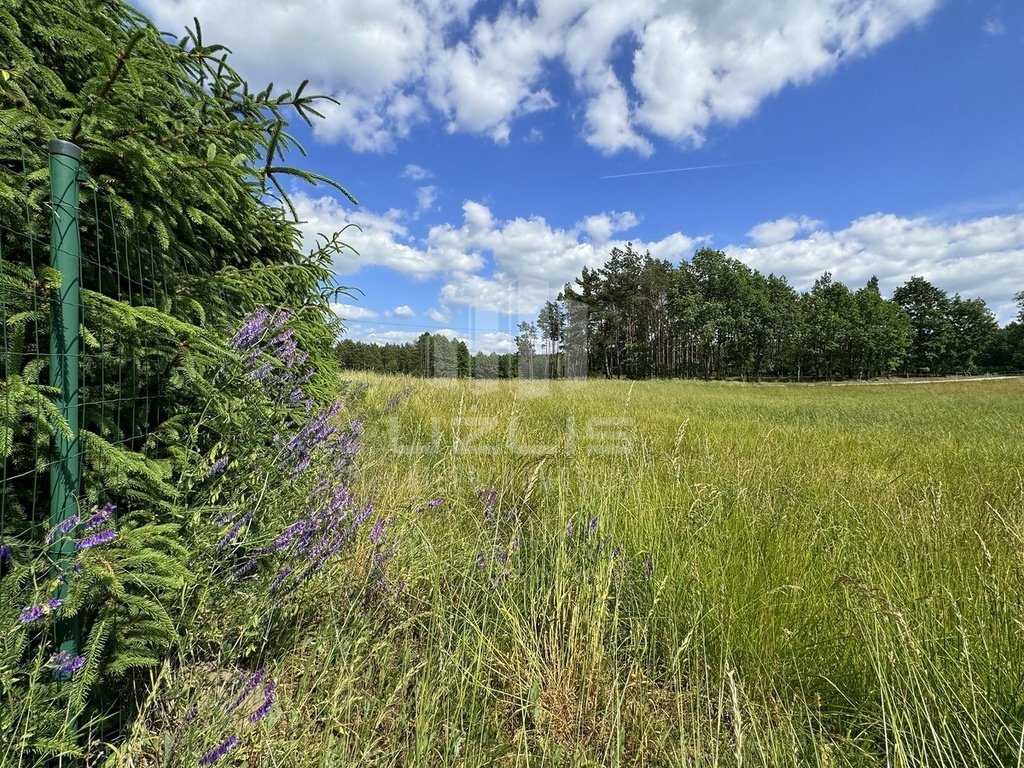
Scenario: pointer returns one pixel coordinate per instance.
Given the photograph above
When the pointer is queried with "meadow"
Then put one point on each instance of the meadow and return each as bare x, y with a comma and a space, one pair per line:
672, 574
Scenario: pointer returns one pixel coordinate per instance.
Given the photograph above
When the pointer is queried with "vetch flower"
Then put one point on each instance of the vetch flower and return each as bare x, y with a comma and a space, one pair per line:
63, 527
36, 612
230, 535
64, 664
254, 327
222, 749
250, 686
247, 567
280, 578
96, 539
219, 466
100, 516
435, 503
378, 530
268, 702
32, 613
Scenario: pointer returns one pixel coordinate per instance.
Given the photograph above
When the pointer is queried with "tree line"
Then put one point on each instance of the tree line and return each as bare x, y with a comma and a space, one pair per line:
713, 317
431, 355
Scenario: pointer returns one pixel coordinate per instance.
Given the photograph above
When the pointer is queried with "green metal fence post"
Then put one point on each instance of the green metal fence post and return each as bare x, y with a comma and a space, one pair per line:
65, 247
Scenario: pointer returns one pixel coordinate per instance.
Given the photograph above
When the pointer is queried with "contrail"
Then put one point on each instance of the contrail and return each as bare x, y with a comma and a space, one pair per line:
680, 170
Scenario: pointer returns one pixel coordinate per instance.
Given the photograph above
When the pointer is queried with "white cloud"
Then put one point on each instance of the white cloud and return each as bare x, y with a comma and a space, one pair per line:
404, 311
493, 342
415, 172
352, 312
975, 257
508, 266
531, 260
600, 228
396, 63
534, 136
425, 197
376, 336
993, 25
378, 239
780, 230
442, 315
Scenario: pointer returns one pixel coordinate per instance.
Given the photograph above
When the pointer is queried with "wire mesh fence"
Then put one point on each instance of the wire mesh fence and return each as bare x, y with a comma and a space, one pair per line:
77, 379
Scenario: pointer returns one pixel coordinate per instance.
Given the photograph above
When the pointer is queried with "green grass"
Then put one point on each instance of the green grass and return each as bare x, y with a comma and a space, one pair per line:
808, 575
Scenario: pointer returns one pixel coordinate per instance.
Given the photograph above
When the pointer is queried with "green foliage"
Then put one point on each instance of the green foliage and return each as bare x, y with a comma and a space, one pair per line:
185, 229
714, 317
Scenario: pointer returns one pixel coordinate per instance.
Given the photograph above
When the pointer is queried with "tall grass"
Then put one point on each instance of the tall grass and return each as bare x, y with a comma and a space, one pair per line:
670, 574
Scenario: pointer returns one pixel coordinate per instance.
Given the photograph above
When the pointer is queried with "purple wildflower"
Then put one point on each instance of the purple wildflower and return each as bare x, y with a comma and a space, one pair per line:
96, 539
248, 567
435, 503
100, 516
32, 613
280, 317
365, 513
36, 612
378, 530
5, 553
592, 525
64, 664
63, 527
250, 686
262, 372
481, 561
250, 333
280, 578
219, 466
216, 754
268, 702
230, 535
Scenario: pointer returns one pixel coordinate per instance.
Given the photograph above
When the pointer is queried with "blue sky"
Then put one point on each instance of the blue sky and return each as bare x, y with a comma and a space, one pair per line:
496, 149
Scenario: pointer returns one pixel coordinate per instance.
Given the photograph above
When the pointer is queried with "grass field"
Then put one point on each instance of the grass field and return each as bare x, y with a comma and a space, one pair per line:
671, 573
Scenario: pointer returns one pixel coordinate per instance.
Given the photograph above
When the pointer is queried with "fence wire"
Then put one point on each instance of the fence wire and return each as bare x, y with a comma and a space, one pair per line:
121, 384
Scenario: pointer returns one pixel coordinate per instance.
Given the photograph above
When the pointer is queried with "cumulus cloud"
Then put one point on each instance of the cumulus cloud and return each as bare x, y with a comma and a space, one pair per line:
531, 260
780, 230
425, 197
691, 63
377, 240
404, 311
495, 341
415, 172
976, 257
352, 312
442, 315
377, 336
509, 266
